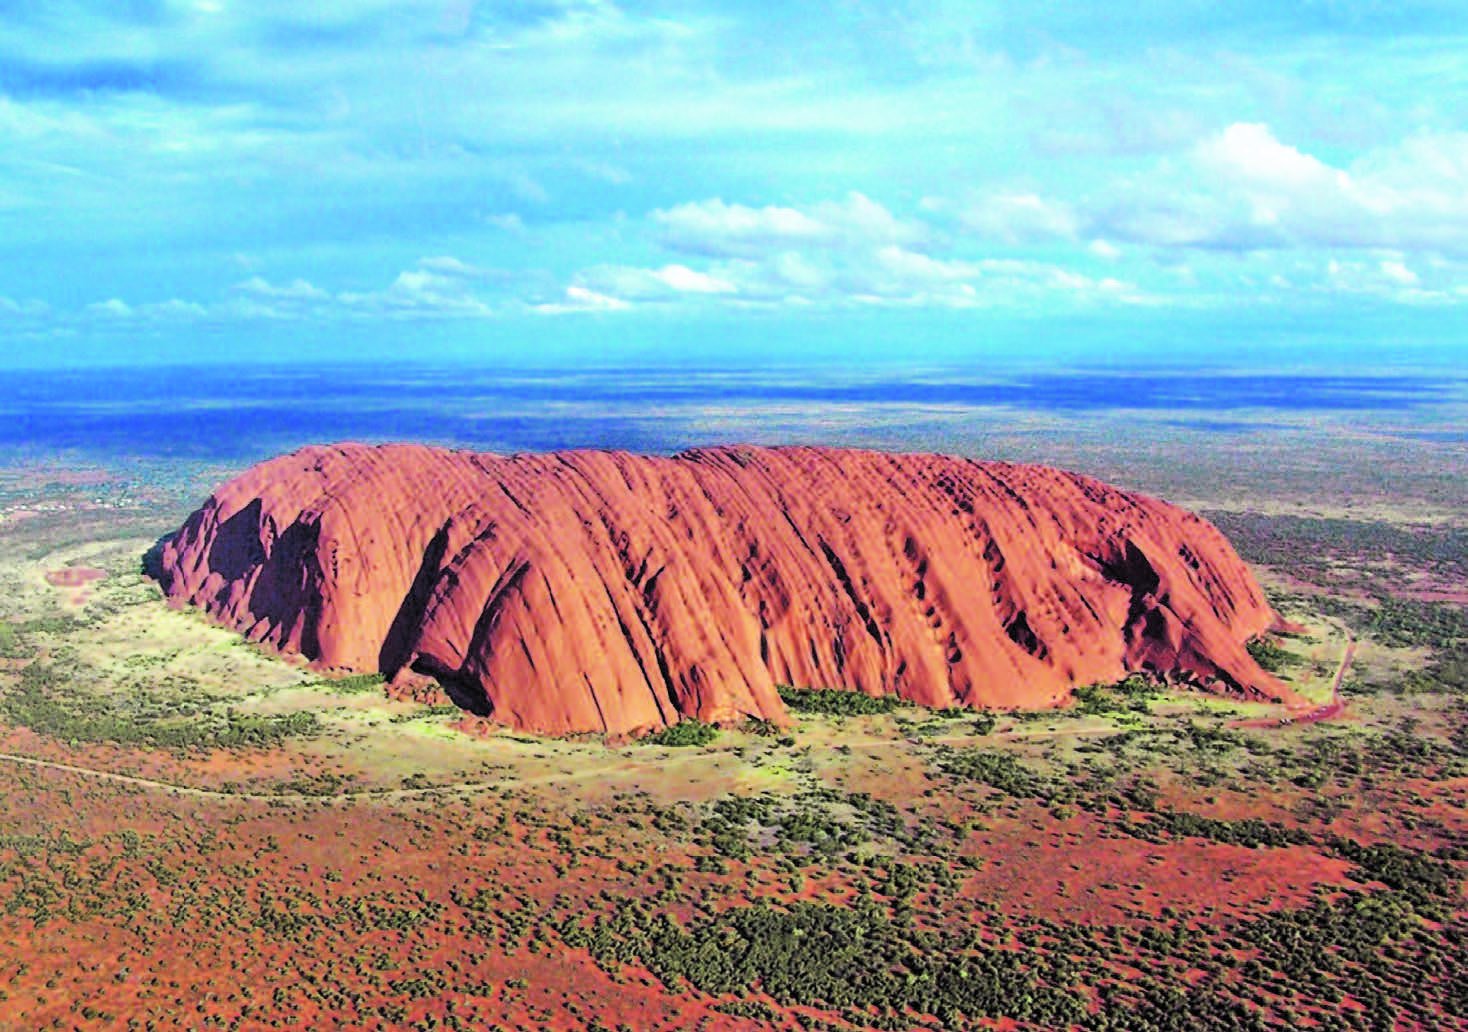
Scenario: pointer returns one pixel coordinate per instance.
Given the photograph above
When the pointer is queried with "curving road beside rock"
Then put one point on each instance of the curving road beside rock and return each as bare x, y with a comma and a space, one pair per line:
596, 591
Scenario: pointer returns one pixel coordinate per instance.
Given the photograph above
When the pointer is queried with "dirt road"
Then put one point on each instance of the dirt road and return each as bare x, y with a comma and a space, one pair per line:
1326, 711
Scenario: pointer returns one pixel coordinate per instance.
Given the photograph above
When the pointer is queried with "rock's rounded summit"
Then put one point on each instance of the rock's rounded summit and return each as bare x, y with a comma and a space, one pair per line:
600, 591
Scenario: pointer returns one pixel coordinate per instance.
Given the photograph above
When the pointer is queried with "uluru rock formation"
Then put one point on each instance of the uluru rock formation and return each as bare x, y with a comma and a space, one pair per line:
594, 591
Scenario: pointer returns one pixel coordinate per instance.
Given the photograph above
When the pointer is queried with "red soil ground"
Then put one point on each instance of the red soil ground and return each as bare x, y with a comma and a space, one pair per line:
74, 576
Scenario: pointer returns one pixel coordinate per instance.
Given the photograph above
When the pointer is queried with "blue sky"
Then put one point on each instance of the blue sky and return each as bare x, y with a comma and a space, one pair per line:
554, 181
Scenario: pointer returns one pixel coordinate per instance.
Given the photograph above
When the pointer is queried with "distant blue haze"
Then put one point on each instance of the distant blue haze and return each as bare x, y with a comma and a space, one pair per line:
233, 417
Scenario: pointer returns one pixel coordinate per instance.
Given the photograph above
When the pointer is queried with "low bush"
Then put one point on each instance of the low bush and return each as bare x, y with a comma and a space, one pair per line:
684, 733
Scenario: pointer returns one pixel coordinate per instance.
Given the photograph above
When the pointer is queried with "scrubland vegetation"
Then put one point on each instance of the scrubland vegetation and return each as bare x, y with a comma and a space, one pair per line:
50, 704
285, 850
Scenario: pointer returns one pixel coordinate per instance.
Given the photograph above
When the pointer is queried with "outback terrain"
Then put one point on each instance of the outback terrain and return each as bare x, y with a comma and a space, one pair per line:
198, 832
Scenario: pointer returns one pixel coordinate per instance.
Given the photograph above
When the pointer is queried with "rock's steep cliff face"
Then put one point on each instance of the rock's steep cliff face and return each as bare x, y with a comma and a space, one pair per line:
603, 591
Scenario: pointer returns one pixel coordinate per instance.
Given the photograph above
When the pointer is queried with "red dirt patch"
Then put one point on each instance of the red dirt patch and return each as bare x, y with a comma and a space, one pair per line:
74, 576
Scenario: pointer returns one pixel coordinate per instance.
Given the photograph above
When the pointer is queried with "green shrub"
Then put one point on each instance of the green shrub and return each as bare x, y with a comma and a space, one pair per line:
1129, 694
837, 702
997, 770
10, 643
685, 732
847, 956
46, 704
1270, 656
355, 684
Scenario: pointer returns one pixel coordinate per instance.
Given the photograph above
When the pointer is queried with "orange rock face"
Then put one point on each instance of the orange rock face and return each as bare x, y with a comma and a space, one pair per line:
608, 592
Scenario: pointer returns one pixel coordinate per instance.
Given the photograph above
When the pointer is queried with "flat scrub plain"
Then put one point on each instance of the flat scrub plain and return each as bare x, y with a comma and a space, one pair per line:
195, 833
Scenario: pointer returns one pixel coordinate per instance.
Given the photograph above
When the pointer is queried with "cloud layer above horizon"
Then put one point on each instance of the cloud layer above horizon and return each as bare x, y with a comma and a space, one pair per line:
180, 178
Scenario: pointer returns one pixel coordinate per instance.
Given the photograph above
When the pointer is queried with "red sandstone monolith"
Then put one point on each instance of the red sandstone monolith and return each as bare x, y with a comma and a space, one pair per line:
597, 591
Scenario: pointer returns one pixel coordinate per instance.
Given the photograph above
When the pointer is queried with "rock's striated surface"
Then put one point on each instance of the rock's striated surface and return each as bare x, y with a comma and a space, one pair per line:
603, 591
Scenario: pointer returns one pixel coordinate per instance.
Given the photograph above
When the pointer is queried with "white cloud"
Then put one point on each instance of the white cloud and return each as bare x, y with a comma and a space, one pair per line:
174, 309
850, 251
793, 269
22, 309
1261, 193
112, 308
667, 283
450, 266
438, 286
687, 281
606, 172
581, 299
890, 275
1020, 218
994, 280
436, 122
916, 267
30, 122
714, 227
1250, 154
296, 290
1388, 279
112, 313
524, 186
1397, 271
509, 222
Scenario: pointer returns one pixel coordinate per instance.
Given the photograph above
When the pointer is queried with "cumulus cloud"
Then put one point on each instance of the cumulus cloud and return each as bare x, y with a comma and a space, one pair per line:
1239, 214
1389, 279
992, 281
508, 221
855, 250
111, 308
1263, 193
176, 310
10, 307
582, 299
436, 287
447, 265
891, 274
1397, 271
296, 290
1020, 218
667, 282
1058, 169
418, 292
111, 314
714, 227
258, 298
1249, 154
